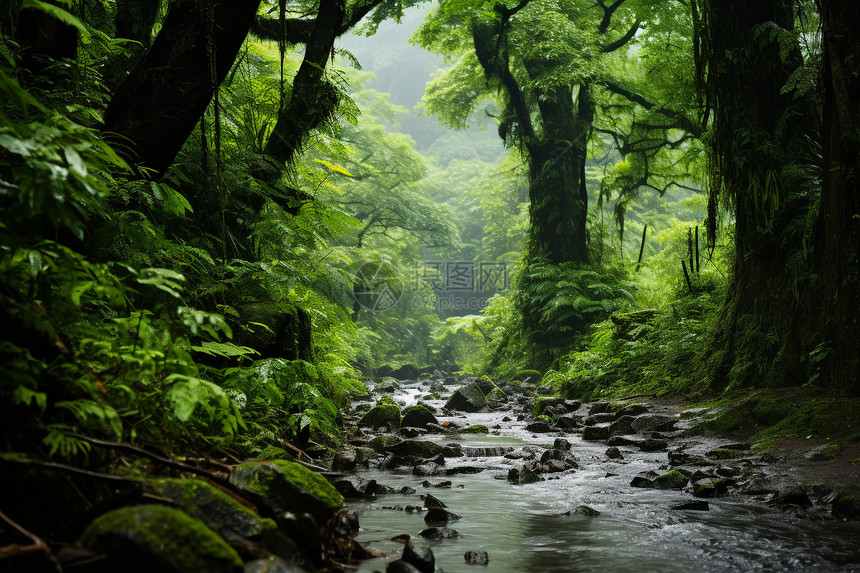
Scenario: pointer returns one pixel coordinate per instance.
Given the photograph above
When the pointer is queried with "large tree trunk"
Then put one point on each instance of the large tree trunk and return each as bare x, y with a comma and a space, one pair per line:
758, 132
158, 104
557, 209
837, 247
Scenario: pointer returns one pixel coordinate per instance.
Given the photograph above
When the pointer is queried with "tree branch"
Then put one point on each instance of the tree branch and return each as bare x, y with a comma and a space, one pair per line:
608, 11
683, 122
38, 545
612, 46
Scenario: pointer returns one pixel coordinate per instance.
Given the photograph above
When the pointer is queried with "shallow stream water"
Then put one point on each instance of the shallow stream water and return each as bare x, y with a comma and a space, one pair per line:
534, 527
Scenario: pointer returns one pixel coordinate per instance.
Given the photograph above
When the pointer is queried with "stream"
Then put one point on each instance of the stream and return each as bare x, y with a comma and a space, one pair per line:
537, 527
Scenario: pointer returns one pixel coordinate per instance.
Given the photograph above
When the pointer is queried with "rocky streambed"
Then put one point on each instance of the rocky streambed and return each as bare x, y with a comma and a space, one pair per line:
451, 473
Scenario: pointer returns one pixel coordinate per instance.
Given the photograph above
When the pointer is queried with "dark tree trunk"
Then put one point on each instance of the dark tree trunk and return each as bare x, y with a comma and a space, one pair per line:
837, 248
313, 99
157, 106
134, 20
557, 208
758, 132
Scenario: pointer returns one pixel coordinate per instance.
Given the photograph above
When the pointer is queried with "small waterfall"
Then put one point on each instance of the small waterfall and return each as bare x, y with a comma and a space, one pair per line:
486, 451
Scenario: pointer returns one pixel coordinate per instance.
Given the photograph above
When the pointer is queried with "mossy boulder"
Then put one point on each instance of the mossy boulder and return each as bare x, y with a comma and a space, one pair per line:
671, 480
586, 511
418, 417
212, 506
159, 538
288, 486
469, 398
622, 426
384, 414
476, 429
415, 449
709, 487
380, 443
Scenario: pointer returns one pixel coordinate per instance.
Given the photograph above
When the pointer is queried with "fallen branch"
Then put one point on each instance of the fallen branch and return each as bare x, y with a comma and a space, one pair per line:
38, 545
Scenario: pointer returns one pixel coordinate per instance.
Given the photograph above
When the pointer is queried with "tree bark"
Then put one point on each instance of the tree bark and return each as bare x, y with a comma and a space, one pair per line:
758, 132
837, 249
158, 104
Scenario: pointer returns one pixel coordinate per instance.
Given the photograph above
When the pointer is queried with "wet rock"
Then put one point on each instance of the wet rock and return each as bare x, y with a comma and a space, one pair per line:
463, 470
653, 423
453, 451
387, 386
622, 426
344, 461
602, 418
411, 433
469, 398
671, 480
539, 428
441, 484
294, 529
419, 557
823, 453
586, 511
642, 481
428, 470
595, 433
431, 501
725, 453
620, 441
527, 476
440, 516
418, 417
288, 486
652, 445
383, 415
794, 495
562, 444
678, 458
567, 423
514, 475
440, 533
401, 566
212, 506
598, 407
354, 487
476, 429
709, 487
415, 449
631, 410
158, 538
406, 372
476, 557
845, 506
692, 506
613, 453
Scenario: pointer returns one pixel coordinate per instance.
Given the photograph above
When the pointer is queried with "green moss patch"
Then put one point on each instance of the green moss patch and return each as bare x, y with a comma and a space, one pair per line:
159, 538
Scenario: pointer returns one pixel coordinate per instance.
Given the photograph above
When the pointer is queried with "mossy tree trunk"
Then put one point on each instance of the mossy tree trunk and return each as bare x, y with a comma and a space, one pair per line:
759, 138
838, 233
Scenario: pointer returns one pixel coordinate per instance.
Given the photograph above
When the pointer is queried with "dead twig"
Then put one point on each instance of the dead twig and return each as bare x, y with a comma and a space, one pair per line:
38, 545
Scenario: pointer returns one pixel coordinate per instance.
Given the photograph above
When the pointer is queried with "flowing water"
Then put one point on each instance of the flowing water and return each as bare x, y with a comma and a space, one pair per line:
535, 527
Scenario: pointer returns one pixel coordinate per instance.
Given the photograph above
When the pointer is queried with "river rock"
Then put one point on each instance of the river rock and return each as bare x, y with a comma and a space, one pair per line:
724, 453
613, 453
692, 506
622, 426
679, 458
586, 511
410, 433
439, 516
476, 557
212, 506
709, 487
620, 441
539, 428
469, 398
794, 495
418, 417
288, 486
416, 449
602, 418
401, 566
431, 501
567, 423
671, 480
595, 433
420, 557
387, 386
845, 506
630, 410
354, 487
380, 444
385, 414
440, 533
158, 538
653, 423
527, 476
652, 445
344, 460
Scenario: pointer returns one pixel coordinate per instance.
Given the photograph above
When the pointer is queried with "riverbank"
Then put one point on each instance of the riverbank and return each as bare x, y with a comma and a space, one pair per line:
615, 484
